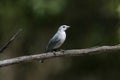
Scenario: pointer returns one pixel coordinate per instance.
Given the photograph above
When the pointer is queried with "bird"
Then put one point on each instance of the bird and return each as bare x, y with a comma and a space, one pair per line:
57, 40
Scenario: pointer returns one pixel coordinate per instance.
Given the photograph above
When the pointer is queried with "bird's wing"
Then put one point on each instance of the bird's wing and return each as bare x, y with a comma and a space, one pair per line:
53, 42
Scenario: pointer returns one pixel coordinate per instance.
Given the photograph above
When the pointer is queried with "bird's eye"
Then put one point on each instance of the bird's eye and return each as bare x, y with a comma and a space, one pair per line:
63, 26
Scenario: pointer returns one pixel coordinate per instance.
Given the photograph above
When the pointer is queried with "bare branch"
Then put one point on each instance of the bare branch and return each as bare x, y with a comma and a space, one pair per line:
76, 52
10, 41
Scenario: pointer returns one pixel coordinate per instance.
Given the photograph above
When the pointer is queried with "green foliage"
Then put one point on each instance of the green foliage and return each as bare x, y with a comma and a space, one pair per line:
49, 7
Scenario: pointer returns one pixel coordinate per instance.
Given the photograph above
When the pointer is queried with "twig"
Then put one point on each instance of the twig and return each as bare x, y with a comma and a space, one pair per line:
76, 52
10, 41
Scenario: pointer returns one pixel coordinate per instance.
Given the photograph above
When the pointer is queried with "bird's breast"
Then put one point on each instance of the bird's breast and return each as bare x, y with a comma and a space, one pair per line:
62, 37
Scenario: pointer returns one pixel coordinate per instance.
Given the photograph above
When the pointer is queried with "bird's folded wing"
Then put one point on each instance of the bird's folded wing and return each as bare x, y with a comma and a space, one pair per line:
53, 42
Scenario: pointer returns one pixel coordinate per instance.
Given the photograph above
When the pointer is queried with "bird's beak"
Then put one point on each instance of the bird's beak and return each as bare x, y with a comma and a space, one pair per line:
68, 27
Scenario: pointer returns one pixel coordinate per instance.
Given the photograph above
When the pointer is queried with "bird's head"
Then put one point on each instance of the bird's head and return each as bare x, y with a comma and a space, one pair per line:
64, 27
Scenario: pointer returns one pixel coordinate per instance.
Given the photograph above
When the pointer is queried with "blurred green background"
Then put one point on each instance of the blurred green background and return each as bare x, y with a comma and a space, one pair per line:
93, 23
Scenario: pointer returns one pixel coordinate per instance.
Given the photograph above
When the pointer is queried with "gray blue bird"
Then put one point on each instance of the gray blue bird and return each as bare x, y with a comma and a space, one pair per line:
57, 40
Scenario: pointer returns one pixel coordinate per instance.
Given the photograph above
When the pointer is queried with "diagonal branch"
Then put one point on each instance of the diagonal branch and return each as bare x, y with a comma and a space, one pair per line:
75, 52
10, 41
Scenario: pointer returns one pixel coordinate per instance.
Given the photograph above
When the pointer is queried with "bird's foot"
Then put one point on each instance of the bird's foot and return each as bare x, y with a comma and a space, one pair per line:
54, 51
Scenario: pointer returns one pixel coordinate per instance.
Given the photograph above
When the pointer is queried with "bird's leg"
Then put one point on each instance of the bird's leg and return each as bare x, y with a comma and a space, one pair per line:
54, 50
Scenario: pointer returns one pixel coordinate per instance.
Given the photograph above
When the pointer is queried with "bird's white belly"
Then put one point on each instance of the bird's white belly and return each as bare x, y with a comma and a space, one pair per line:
62, 39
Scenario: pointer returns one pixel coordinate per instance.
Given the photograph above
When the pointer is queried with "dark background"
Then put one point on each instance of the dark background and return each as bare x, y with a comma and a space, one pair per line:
93, 23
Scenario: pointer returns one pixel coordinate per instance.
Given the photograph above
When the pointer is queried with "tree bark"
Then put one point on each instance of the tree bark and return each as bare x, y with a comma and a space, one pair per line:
63, 53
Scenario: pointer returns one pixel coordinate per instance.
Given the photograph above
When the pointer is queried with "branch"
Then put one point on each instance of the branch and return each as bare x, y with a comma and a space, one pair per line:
10, 41
77, 52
